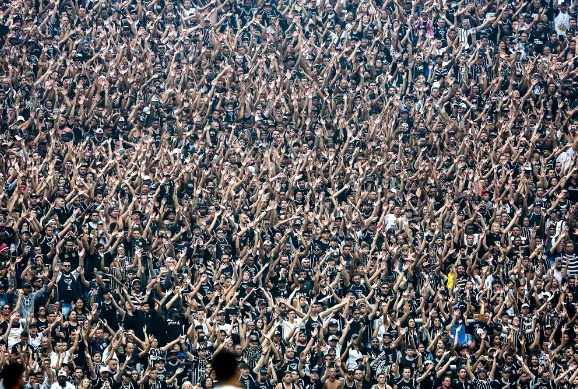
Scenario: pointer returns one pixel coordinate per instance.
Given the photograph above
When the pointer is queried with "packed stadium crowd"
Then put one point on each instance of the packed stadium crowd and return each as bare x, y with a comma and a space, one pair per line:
347, 194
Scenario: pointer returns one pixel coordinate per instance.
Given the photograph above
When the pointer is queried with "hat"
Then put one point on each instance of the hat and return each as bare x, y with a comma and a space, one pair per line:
103, 369
20, 119
99, 131
3, 247
333, 338
479, 331
26, 285
62, 373
525, 305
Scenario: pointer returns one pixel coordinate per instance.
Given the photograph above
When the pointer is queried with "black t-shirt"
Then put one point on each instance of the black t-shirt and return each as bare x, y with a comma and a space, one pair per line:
98, 382
175, 328
3, 327
130, 385
307, 383
7, 235
311, 324
457, 384
404, 362
410, 384
248, 382
539, 384
154, 385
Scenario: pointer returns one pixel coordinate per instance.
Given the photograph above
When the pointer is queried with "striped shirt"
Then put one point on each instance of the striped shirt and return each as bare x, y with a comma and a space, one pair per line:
252, 357
572, 260
464, 35
197, 370
482, 384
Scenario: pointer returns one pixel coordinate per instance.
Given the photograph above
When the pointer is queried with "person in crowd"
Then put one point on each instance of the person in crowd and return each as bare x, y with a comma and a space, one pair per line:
360, 194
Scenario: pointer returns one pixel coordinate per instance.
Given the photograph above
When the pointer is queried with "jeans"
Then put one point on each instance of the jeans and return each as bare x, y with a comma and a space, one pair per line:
66, 308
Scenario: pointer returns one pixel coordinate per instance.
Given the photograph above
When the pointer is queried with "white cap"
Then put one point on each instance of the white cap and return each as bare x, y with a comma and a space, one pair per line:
62, 373
20, 119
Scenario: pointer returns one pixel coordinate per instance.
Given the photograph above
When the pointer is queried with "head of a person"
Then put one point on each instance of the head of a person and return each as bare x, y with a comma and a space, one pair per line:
62, 376
225, 367
406, 373
12, 376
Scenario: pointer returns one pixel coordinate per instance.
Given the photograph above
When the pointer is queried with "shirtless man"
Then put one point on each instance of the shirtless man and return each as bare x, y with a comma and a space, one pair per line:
329, 379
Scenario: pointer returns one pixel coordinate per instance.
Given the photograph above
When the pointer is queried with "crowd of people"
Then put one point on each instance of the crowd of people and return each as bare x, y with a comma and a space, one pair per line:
347, 194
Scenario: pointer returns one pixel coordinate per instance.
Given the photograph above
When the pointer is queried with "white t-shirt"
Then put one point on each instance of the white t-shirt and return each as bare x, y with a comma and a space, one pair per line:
288, 326
227, 387
54, 359
67, 385
390, 220
35, 342
354, 355
562, 22
14, 336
